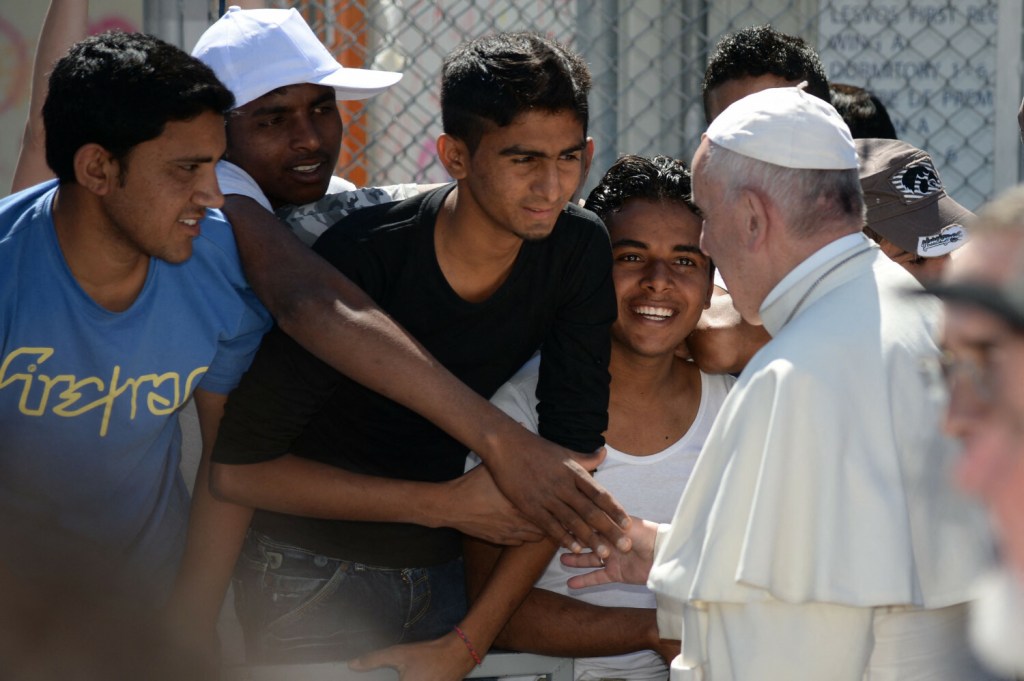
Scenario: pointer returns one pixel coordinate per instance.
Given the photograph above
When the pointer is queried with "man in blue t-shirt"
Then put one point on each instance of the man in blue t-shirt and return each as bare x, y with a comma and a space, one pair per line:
121, 297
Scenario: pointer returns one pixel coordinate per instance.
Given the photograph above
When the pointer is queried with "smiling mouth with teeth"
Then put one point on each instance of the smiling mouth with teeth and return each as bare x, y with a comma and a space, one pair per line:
306, 169
653, 313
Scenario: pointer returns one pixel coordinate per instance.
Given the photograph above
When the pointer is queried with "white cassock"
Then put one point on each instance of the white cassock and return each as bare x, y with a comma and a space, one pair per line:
820, 536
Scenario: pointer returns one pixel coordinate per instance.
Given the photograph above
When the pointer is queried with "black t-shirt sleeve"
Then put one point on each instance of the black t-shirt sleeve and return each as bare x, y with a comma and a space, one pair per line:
573, 385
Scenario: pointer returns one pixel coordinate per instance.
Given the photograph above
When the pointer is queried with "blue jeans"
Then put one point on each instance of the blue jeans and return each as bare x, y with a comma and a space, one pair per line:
298, 606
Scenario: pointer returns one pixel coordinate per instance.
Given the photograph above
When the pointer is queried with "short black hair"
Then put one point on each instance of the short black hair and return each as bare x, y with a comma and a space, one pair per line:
659, 178
494, 79
120, 89
760, 50
863, 112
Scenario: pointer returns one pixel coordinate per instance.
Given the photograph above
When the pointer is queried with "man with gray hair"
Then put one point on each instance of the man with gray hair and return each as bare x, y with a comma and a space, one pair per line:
819, 536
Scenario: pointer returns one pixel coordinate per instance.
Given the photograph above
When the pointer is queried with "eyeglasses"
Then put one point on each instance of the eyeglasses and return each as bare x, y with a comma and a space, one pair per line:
976, 368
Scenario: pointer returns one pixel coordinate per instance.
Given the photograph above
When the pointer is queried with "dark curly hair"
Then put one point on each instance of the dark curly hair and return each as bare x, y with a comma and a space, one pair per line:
761, 50
661, 178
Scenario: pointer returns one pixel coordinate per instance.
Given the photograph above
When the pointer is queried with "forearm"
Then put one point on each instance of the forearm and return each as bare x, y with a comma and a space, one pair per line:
215, 535
65, 24
303, 487
216, 530
515, 572
548, 623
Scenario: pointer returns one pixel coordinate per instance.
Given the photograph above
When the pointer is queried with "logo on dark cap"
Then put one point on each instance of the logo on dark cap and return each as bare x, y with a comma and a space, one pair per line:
949, 238
917, 181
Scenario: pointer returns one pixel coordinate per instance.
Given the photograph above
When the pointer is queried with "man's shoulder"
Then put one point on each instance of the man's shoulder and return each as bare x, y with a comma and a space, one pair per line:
368, 202
578, 217
310, 221
19, 211
385, 220
215, 261
215, 236
579, 228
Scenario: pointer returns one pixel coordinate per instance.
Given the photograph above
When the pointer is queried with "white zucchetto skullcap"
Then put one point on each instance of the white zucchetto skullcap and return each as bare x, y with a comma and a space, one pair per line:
788, 127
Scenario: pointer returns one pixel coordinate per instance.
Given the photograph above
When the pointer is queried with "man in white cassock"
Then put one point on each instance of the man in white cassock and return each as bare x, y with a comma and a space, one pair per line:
820, 536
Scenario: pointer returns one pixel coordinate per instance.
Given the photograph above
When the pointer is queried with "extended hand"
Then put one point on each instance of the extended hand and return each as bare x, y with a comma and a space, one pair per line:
631, 567
481, 510
561, 497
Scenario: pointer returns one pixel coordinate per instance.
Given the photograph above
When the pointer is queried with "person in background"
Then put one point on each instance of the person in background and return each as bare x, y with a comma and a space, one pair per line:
750, 60
983, 337
756, 58
909, 214
862, 111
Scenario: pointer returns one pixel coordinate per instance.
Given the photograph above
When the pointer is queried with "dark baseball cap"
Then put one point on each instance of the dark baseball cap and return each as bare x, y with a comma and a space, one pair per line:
906, 201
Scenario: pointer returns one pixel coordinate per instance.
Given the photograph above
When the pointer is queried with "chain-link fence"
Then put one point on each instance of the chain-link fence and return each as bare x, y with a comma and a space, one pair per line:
948, 72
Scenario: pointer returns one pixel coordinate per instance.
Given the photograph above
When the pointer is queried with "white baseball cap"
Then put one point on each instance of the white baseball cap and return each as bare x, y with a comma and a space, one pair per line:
255, 51
787, 127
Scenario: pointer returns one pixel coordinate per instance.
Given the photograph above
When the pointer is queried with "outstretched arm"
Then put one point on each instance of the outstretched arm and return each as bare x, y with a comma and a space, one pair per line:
303, 487
65, 24
549, 623
340, 324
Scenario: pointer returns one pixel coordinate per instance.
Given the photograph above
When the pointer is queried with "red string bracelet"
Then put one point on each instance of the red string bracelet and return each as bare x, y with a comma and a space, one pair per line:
469, 646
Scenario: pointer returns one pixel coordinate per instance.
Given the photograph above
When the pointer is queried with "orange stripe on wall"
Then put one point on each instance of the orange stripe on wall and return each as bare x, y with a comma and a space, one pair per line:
348, 43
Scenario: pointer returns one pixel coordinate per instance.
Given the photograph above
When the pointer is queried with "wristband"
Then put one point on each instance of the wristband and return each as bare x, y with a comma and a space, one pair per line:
469, 646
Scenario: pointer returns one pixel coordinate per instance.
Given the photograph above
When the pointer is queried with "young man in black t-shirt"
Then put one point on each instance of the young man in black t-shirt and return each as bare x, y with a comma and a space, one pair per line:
356, 545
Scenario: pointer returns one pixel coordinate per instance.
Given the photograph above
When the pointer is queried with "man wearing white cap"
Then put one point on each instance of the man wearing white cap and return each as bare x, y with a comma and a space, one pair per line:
284, 134
819, 536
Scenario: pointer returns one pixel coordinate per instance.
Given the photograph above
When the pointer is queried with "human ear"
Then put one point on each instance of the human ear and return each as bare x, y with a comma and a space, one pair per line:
586, 158
96, 169
454, 156
756, 213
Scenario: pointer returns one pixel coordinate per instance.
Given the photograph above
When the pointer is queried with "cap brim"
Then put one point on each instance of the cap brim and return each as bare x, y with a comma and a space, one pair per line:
927, 220
359, 83
985, 296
